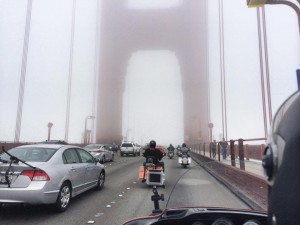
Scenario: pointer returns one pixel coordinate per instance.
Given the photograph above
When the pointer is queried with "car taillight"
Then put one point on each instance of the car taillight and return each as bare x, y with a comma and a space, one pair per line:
36, 175
97, 151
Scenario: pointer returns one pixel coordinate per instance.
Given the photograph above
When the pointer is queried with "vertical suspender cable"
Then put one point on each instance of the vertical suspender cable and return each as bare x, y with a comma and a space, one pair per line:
224, 77
70, 71
267, 66
23, 72
207, 63
96, 66
261, 72
222, 68
221, 65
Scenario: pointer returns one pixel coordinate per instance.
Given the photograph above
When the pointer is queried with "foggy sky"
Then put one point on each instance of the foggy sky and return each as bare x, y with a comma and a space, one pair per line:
48, 61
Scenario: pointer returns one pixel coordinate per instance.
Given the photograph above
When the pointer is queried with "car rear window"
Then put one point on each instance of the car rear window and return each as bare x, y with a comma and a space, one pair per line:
34, 154
126, 145
92, 147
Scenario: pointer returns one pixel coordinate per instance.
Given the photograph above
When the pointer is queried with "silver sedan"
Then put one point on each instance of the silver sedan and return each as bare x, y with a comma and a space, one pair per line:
48, 174
100, 152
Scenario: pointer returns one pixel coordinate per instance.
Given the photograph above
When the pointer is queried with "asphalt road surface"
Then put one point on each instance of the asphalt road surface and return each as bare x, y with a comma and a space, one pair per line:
124, 197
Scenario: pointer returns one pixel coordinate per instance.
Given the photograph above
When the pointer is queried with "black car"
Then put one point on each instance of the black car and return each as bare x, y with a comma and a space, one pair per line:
112, 147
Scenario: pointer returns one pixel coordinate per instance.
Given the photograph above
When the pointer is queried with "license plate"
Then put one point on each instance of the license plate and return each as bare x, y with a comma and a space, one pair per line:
3, 180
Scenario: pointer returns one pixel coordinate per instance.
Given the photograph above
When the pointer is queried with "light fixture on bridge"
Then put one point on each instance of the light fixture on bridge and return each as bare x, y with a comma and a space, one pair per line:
49, 130
86, 132
256, 3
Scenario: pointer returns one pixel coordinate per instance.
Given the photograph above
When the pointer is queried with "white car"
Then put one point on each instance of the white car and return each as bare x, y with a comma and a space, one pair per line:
101, 152
129, 148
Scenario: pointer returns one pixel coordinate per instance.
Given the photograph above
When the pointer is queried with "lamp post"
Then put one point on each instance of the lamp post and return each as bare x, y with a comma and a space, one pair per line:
85, 130
261, 3
49, 129
210, 126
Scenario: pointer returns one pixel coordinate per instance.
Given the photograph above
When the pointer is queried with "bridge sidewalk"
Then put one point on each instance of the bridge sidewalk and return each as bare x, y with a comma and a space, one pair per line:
249, 184
251, 166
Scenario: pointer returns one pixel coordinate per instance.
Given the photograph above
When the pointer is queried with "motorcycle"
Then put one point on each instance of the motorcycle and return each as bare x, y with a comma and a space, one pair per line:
152, 173
170, 154
184, 159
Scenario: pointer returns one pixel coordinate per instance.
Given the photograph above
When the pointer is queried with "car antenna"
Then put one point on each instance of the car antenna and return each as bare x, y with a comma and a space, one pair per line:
156, 198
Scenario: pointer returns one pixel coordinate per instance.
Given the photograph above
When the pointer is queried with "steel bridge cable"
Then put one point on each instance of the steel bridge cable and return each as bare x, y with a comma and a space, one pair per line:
261, 72
222, 70
207, 62
224, 77
267, 65
70, 71
96, 64
23, 72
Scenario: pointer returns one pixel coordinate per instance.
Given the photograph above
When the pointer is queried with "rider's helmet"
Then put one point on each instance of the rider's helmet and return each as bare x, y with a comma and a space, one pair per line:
281, 164
183, 145
152, 144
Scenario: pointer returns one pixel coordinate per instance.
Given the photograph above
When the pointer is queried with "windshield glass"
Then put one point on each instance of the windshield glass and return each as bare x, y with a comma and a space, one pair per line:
126, 145
91, 147
32, 154
205, 76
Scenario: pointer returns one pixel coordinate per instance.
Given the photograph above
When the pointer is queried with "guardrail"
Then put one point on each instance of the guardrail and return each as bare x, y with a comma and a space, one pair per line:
246, 181
238, 151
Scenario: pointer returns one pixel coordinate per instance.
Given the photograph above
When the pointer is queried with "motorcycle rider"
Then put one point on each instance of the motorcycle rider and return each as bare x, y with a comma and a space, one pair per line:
185, 150
171, 148
178, 148
157, 153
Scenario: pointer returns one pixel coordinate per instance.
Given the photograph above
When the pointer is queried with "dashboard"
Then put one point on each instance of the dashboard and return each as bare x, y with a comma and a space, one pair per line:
204, 216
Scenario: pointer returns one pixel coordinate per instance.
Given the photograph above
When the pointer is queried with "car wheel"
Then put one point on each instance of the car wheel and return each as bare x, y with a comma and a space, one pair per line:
102, 160
122, 155
63, 198
101, 181
112, 158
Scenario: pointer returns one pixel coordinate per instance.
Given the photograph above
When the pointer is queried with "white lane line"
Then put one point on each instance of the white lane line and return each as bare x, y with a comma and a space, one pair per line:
120, 195
99, 214
128, 188
91, 222
108, 206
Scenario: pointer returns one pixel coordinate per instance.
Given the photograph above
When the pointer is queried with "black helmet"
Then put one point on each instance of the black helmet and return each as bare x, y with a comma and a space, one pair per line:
281, 163
183, 145
152, 144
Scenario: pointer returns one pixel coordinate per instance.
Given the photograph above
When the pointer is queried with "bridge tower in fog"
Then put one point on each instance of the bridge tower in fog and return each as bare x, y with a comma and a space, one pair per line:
181, 29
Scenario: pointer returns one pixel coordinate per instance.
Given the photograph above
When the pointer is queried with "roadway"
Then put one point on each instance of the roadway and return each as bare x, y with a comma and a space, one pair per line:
124, 197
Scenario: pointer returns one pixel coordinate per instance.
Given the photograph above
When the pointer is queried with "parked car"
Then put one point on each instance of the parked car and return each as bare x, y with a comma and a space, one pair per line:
48, 174
100, 152
129, 148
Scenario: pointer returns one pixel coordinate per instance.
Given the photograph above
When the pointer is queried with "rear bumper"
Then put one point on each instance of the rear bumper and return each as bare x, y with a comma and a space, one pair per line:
35, 193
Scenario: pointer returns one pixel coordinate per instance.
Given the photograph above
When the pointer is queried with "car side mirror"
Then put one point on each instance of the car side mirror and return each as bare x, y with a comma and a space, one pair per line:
97, 160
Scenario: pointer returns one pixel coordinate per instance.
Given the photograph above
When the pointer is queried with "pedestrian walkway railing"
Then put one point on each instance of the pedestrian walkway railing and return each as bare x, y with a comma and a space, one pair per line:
238, 152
